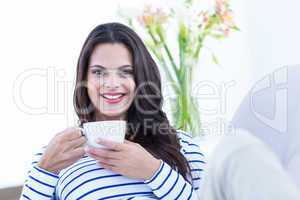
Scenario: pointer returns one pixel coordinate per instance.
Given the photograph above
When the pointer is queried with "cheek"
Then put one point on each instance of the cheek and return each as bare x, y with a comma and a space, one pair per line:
93, 88
131, 87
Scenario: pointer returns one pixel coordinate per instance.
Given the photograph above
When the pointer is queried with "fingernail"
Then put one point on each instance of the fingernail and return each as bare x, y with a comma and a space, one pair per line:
86, 149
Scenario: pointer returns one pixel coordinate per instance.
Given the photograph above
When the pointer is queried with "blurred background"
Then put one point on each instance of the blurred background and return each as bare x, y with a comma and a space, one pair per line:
40, 44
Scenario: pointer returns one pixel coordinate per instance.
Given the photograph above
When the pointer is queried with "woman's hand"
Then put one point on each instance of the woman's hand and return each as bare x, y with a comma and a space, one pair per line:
129, 159
63, 150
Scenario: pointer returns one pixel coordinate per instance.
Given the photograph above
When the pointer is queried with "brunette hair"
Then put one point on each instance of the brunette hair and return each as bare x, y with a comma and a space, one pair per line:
147, 123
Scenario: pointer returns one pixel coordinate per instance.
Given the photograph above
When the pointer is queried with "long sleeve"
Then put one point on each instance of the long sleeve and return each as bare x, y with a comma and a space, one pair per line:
167, 183
40, 184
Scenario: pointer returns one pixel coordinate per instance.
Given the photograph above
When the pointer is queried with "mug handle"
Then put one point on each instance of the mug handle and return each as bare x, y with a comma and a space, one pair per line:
81, 131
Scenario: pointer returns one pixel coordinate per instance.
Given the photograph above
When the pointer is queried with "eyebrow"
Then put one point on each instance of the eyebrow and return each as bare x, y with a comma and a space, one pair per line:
102, 67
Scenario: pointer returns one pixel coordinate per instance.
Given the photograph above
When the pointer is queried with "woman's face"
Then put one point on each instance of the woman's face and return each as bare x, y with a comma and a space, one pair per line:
110, 81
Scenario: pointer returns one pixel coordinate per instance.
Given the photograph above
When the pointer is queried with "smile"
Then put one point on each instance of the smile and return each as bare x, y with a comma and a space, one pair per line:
113, 98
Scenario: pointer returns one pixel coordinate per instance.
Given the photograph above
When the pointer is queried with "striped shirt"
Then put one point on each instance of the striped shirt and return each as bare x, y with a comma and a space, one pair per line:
86, 179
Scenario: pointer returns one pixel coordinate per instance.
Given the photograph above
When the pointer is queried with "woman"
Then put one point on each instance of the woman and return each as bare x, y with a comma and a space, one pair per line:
117, 79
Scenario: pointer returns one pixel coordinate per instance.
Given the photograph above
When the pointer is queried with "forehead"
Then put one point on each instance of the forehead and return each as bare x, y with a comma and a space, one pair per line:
110, 55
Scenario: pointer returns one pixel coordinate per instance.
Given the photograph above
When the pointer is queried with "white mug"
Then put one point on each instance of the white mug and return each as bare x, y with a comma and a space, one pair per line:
113, 130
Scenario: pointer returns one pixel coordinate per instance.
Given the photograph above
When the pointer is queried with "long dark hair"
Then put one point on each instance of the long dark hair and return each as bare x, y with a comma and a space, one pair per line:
147, 122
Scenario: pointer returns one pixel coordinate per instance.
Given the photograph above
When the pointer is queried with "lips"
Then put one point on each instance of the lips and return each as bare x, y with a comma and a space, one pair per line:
113, 98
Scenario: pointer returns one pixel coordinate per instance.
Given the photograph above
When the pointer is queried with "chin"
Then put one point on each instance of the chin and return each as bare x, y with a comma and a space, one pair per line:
110, 115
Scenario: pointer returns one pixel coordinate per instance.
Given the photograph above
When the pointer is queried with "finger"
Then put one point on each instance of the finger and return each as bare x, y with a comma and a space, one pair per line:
112, 164
107, 161
72, 133
78, 152
76, 143
110, 144
128, 142
107, 166
91, 154
104, 153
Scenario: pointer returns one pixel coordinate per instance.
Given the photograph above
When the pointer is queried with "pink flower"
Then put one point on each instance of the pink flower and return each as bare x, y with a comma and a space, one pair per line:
226, 32
152, 16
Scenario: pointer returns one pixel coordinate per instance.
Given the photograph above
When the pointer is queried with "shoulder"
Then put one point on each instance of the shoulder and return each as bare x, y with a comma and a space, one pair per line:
189, 147
186, 140
194, 156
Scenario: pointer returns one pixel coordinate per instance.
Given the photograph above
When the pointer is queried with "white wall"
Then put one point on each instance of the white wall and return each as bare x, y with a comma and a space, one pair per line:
272, 34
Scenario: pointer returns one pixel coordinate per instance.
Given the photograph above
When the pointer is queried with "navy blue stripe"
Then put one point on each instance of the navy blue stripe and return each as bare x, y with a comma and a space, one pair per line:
109, 186
150, 195
100, 177
181, 192
38, 192
191, 193
96, 169
45, 172
26, 196
43, 183
193, 152
171, 187
164, 180
194, 145
77, 170
75, 166
157, 173
196, 188
190, 144
196, 170
126, 194
34, 162
38, 154
196, 161
195, 179
185, 134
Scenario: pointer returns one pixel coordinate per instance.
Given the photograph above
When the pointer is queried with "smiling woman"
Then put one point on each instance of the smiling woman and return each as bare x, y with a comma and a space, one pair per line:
111, 93
117, 79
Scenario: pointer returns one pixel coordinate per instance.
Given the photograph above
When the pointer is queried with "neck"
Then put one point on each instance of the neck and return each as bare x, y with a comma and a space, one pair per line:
101, 117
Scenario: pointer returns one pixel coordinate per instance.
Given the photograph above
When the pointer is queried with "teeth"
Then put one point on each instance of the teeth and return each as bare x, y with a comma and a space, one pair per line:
112, 96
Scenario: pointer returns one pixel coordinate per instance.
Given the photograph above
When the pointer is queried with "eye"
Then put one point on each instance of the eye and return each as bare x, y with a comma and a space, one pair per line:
98, 72
127, 72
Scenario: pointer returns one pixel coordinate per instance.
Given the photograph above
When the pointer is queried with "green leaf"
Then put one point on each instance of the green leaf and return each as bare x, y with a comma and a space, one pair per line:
217, 36
235, 28
215, 59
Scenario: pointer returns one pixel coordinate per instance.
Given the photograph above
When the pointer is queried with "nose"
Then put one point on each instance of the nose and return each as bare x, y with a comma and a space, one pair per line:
112, 81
